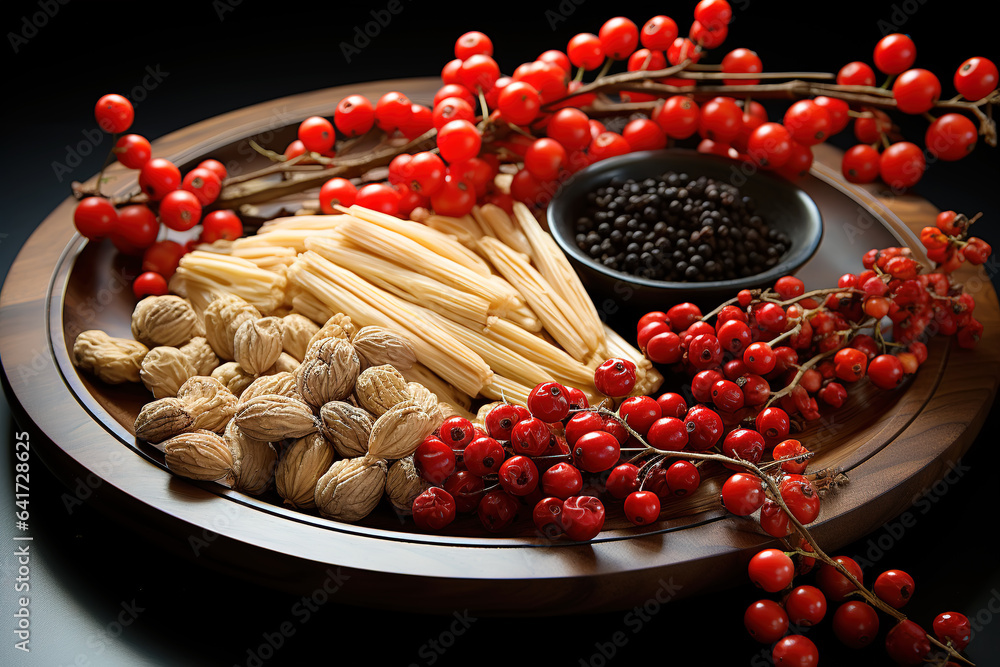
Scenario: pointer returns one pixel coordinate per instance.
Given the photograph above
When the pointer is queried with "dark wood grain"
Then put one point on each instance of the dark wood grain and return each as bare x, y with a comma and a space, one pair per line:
891, 444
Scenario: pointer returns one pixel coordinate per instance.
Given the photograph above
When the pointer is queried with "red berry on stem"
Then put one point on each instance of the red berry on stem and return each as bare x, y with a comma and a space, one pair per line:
742, 494
530, 437
895, 53
766, 621
885, 371
135, 229
704, 427
596, 451
584, 50
548, 402
497, 510
951, 627
976, 78
95, 217
434, 460
163, 257
771, 569
683, 478
907, 643
855, 624
456, 432
615, 377
467, 489
221, 225
378, 197
668, 433
336, 192
133, 151
562, 481
916, 91
619, 37
483, 456
433, 509
834, 584
317, 134
547, 517
203, 183
642, 507
951, 137
158, 177
149, 284
518, 475
114, 113
795, 651
902, 164
856, 74
806, 606
895, 587
354, 115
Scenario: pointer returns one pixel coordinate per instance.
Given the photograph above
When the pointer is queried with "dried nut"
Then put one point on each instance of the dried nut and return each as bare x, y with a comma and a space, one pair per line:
377, 346
282, 384
379, 388
164, 369
338, 326
448, 410
222, 318
299, 331
403, 483
427, 401
329, 374
164, 320
253, 461
300, 468
399, 431
200, 455
201, 355
351, 488
209, 402
346, 427
272, 417
286, 363
257, 344
162, 419
232, 375
113, 360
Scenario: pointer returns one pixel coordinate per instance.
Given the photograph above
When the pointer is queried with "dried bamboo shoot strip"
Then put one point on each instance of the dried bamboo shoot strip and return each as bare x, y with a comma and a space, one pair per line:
264, 289
406, 252
313, 222
498, 224
404, 283
552, 264
550, 308
444, 391
465, 229
286, 238
433, 240
505, 389
434, 347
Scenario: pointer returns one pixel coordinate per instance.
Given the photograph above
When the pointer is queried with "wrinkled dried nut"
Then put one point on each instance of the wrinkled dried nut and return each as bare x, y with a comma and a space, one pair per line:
282, 384
233, 377
329, 374
222, 318
379, 388
199, 454
448, 410
346, 427
257, 344
113, 360
377, 346
300, 468
399, 431
162, 419
286, 363
403, 483
164, 320
164, 369
210, 403
351, 488
427, 401
299, 331
201, 355
253, 461
338, 326
272, 417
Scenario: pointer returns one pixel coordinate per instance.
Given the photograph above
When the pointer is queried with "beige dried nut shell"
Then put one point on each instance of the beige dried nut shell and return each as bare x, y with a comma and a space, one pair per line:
164, 369
399, 431
427, 401
351, 488
299, 331
300, 468
200, 454
257, 344
286, 363
201, 355
272, 417
338, 326
379, 388
162, 419
113, 360
164, 320
403, 483
329, 374
282, 384
209, 401
377, 346
223, 317
346, 427
253, 461
233, 377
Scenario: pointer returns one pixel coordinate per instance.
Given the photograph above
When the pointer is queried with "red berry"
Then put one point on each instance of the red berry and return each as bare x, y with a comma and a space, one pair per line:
806, 606
683, 478
158, 177
951, 137
163, 257
548, 402
433, 509
745, 444
547, 517
622, 480
759, 358
518, 475
951, 627
619, 37
672, 405
530, 437
895, 53
220, 225
907, 643
916, 91
354, 115
596, 451
742, 494
639, 413
773, 519
766, 621
976, 78
114, 113
902, 164
642, 507
834, 584
704, 427
795, 651
668, 433
705, 351
467, 489
180, 210
856, 74
895, 587
801, 498
434, 460
615, 377
885, 371
203, 183
771, 569
855, 624
860, 164
791, 448
562, 481
133, 151
582, 518
336, 192
456, 432
95, 217
149, 284
497, 510
472, 43
483, 456
135, 228
519, 102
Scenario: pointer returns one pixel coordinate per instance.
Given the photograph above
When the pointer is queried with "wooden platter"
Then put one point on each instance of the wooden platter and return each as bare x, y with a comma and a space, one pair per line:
892, 445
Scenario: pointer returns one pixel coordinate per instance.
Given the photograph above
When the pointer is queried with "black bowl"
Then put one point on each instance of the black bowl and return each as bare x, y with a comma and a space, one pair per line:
783, 206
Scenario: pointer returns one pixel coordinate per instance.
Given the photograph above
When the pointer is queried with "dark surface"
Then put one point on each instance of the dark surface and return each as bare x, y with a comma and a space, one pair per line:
100, 596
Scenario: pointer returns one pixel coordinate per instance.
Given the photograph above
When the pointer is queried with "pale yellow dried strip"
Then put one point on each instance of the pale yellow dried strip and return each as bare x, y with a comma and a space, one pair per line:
308, 305
444, 391
402, 282
540, 351
552, 263
525, 318
406, 252
547, 304
286, 238
465, 229
493, 218
264, 289
505, 389
269, 258
437, 350
308, 222
433, 240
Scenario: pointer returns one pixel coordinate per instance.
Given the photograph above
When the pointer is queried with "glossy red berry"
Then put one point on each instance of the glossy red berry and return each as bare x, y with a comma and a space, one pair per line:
771, 569
704, 427
639, 413
806, 606
547, 517
742, 494
497, 510
895, 53
683, 478
642, 507
596, 451
668, 433
548, 402
582, 518
801, 498
835, 585
530, 437
907, 643
951, 627
773, 423
133, 151
95, 217
615, 377
855, 624
672, 405
467, 489
434, 460
114, 113
483, 456
795, 651
562, 481
766, 621
976, 78
500, 421
158, 177
518, 475
149, 283
456, 432
788, 449
885, 371
745, 444
895, 587
759, 358
433, 509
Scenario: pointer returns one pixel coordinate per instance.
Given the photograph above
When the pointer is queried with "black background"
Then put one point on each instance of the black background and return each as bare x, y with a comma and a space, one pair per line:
220, 56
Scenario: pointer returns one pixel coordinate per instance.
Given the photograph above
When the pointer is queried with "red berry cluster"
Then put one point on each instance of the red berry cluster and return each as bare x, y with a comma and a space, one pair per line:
949, 245
173, 201
855, 622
